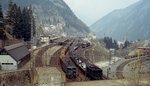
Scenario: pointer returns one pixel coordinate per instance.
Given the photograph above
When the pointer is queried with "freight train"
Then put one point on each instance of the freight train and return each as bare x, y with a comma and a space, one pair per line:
66, 64
92, 71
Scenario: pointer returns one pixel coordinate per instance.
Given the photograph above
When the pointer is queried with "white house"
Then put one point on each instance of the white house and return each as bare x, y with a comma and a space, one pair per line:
121, 44
45, 39
14, 56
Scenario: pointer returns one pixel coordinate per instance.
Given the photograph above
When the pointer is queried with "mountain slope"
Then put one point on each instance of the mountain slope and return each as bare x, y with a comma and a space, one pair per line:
54, 12
132, 22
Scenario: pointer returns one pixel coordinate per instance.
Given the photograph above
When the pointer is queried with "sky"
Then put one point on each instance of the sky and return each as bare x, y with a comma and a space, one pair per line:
89, 11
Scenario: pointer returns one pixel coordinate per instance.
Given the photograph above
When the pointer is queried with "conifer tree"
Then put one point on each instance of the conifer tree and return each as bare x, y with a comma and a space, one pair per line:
2, 35
20, 20
9, 19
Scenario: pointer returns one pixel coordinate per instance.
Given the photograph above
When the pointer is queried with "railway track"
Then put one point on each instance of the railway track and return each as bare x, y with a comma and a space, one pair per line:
55, 58
86, 54
82, 55
55, 62
81, 76
119, 70
38, 57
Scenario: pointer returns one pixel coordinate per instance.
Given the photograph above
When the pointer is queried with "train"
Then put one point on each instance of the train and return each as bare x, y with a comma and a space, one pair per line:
69, 68
67, 65
92, 71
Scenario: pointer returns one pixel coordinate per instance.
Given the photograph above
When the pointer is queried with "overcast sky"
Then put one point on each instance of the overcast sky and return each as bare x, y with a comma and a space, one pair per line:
89, 11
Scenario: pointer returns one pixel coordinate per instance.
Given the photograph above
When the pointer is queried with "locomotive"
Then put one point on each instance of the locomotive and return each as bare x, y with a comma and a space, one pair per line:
94, 72
69, 68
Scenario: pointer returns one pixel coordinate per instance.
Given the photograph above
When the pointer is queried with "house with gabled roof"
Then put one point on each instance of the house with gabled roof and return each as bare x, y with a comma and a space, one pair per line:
14, 56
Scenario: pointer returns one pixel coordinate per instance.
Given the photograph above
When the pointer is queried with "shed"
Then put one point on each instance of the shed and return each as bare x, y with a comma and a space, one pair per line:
14, 56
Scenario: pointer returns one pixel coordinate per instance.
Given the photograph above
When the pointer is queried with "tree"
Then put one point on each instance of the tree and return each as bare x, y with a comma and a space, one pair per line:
110, 43
21, 20
2, 35
126, 44
1, 17
115, 45
9, 20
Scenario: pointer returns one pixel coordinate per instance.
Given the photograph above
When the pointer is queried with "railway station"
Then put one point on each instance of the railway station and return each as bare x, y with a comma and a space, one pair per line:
118, 70
55, 65
45, 44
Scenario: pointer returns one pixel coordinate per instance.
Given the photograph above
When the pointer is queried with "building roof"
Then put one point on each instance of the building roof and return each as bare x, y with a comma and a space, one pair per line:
17, 51
144, 47
10, 47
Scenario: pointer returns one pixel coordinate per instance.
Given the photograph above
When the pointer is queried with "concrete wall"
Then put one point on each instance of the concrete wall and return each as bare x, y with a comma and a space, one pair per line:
50, 76
7, 62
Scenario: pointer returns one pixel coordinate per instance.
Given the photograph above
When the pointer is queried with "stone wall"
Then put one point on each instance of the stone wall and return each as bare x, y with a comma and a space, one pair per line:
50, 76
15, 78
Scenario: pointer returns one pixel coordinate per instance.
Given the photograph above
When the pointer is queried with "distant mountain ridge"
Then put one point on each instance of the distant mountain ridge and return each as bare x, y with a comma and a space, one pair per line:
54, 12
132, 22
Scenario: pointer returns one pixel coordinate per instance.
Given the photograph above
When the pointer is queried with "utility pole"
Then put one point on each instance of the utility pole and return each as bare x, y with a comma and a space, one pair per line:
93, 55
139, 57
32, 65
109, 57
139, 64
94, 45
32, 40
108, 70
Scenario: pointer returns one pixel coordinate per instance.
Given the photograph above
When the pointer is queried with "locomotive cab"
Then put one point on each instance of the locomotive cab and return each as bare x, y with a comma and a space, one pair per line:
69, 68
94, 72
71, 72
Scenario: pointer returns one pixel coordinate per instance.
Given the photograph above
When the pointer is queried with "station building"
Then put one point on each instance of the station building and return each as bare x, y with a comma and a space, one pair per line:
44, 39
13, 56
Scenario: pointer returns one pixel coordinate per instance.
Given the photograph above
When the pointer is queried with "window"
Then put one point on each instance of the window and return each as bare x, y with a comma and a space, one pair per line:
7, 63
